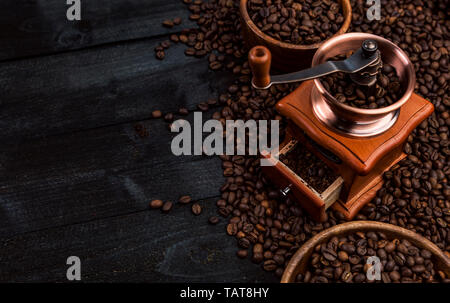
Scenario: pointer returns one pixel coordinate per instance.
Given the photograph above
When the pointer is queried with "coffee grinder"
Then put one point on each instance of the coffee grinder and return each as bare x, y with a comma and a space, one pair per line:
359, 145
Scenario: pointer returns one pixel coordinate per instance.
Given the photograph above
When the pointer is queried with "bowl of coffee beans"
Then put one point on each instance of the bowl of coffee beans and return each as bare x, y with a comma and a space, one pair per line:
293, 29
368, 252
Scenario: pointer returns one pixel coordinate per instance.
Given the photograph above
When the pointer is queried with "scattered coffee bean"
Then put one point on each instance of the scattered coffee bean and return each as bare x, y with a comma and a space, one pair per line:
167, 207
177, 21
242, 253
185, 199
168, 23
156, 114
196, 209
168, 117
183, 111
155, 204
213, 220
160, 55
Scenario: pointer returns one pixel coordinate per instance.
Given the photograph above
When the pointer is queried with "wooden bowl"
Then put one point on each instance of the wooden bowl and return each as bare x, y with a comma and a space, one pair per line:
299, 261
287, 57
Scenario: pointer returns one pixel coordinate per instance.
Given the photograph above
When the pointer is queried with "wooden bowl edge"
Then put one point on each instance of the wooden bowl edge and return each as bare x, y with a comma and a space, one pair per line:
305, 250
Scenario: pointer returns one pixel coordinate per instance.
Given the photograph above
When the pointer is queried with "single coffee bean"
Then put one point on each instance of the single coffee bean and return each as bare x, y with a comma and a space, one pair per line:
232, 229
185, 199
269, 265
242, 253
160, 55
168, 23
177, 21
167, 207
183, 111
196, 209
213, 220
156, 114
155, 204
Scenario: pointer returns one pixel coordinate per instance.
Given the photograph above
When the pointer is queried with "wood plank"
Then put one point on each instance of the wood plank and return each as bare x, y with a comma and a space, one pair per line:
100, 86
94, 174
143, 247
31, 28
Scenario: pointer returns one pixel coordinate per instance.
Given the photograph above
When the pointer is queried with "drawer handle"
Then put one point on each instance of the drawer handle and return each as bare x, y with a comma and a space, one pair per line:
286, 190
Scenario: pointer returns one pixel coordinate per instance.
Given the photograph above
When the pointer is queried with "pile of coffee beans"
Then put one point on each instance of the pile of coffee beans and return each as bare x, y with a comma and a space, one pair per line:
297, 21
309, 167
268, 228
386, 91
346, 260
416, 193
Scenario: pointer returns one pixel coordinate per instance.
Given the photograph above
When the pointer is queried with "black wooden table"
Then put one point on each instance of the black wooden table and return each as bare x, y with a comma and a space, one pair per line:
75, 179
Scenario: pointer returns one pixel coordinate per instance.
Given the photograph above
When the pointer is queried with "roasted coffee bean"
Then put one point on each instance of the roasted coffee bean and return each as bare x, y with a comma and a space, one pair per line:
177, 21
244, 243
168, 23
160, 55
167, 206
156, 114
185, 199
270, 265
213, 220
155, 204
242, 253
203, 106
196, 209
183, 111
168, 117
165, 44
232, 229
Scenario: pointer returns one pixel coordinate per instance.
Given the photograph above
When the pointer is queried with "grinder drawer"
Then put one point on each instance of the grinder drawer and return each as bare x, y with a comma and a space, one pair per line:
311, 199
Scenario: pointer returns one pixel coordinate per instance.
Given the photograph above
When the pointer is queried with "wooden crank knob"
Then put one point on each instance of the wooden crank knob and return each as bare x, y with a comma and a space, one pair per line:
260, 60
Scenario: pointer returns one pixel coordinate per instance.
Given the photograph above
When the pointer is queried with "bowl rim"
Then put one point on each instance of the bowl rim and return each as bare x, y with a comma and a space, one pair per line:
355, 226
343, 29
409, 68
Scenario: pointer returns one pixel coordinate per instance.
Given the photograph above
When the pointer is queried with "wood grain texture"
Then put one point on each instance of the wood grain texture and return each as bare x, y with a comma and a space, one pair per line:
31, 28
75, 179
143, 247
100, 86
89, 175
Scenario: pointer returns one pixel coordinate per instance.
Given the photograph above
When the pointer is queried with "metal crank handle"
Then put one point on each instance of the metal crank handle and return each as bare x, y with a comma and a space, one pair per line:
260, 60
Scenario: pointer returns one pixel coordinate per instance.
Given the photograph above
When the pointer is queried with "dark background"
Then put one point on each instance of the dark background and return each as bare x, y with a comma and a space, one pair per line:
75, 178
